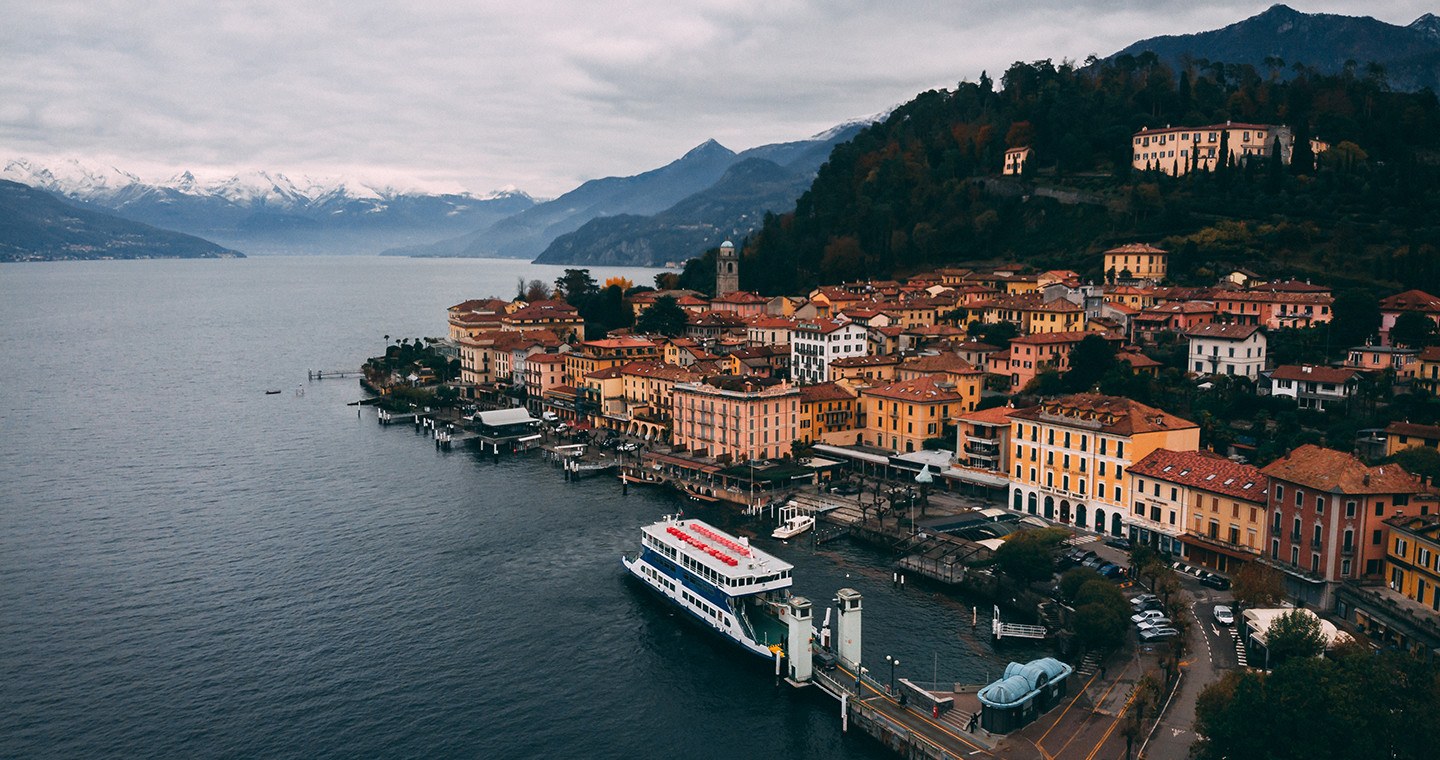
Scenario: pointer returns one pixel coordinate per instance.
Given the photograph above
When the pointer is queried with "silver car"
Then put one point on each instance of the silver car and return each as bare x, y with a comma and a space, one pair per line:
1224, 615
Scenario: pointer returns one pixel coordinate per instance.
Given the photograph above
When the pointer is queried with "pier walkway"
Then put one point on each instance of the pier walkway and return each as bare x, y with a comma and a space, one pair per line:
911, 732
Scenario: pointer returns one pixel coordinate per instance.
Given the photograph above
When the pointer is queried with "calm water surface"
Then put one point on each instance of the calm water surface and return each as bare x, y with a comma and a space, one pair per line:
191, 568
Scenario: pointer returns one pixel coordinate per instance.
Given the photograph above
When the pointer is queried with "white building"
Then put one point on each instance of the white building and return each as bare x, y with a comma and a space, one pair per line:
1217, 349
816, 343
1312, 387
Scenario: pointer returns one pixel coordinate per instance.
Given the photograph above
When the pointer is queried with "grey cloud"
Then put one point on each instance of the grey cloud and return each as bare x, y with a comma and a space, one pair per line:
541, 95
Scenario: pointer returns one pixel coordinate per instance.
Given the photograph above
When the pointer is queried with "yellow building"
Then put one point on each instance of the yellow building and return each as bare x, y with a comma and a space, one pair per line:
901, 416
1015, 160
826, 410
1427, 370
1143, 262
1034, 315
1412, 558
1070, 456
602, 398
875, 369
1199, 505
595, 355
1178, 150
1405, 435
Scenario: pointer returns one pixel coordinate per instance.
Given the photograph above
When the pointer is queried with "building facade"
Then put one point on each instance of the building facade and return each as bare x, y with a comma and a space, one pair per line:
1198, 505
1070, 456
814, 344
1217, 349
736, 418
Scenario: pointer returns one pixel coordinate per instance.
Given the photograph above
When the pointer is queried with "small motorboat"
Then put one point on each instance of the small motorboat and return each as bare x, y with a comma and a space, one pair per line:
272, 392
792, 523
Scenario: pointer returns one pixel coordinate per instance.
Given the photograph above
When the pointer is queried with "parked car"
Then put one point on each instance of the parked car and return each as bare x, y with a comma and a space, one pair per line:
627, 447
1157, 634
1150, 625
1219, 582
1113, 571
1153, 604
1224, 615
1092, 562
845, 489
1147, 615
1118, 543
1136, 601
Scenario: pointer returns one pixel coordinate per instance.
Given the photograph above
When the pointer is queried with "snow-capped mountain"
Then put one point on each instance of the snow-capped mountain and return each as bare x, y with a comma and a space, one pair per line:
266, 211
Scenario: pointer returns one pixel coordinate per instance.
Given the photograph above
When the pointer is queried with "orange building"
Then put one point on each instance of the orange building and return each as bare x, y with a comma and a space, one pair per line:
825, 410
740, 418
901, 416
1070, 456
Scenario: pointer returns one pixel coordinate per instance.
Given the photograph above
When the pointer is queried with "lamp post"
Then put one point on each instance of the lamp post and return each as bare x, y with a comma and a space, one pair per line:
893, 662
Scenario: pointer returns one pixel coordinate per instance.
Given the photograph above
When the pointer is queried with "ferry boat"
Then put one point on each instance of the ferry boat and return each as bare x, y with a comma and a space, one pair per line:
721, 580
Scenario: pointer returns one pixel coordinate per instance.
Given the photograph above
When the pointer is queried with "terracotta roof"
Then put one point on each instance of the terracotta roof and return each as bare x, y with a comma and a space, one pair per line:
1111, 414
1430, 354
975, 345
866, 361
1411, 429
1071, 336
939, 363
740, 297
1312, 372
1221, 331
1186, 307
823, 325
661, 371
995, 415
716, 319
934, 331
825, 392
925, 390
603, 374
619, 343
546, 358
1293, 286
1226, 125
1411, 300
1136, 361
1136, 248
691, 301
1337, 472
764, 321
1265, 296
544, 310
1206, 471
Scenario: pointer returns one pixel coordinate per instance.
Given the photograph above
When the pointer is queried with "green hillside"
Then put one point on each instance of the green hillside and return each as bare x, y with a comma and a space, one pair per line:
921, 190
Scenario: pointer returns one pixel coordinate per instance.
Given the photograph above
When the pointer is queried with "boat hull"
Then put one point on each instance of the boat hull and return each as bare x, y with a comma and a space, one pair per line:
720, 620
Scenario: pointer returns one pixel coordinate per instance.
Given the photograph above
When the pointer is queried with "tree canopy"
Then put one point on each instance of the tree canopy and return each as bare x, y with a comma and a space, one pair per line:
664, 317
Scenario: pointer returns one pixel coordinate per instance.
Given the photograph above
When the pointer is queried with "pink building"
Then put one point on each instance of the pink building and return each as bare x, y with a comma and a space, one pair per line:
740, 302
742, 418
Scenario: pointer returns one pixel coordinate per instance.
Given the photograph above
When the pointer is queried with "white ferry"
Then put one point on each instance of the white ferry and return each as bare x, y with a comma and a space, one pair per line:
723, 581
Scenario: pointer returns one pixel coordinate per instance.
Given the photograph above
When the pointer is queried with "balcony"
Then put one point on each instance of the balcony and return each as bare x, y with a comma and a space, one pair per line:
1347, 549
983, 448
1315, 543
1294, 536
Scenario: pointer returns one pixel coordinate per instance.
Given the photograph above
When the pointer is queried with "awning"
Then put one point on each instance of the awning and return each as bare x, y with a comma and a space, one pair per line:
851, 453
501, 417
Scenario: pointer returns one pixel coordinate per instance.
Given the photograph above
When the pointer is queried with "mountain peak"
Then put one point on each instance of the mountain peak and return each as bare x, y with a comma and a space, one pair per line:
1427, 25
706, 148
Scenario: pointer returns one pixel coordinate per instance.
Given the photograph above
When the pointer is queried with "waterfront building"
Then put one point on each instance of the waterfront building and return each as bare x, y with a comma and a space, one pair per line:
1200, 505
740, 418
1312, 386
1071, 456
1417, 301
1135, 263
982, 446
1217, 349
727, 270
649, 389
470, 318
827, 409
602, 395
1327, 514
901, 416
815, 344
595, 355
1178, 150
543, 372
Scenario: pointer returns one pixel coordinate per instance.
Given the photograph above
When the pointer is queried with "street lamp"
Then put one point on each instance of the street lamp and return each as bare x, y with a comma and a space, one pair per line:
893, 662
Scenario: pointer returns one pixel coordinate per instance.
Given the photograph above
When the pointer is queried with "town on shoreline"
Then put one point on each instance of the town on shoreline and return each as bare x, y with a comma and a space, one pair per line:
1195, 433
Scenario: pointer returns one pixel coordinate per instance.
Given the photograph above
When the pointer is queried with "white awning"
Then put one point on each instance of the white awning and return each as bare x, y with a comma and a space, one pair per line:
499, 417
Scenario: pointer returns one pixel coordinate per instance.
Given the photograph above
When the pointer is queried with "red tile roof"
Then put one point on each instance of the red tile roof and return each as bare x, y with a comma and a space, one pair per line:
1206, 471
1411, 300
1111, 414
924, 390
1136, 248
1222, 331
949, 363
1315, 373
825, 392
1337, 472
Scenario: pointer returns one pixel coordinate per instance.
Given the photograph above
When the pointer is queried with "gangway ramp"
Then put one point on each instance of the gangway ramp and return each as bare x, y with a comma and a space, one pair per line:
1002, 630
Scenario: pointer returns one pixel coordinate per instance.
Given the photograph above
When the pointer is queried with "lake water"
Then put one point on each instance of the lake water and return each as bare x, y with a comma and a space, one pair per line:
192, 568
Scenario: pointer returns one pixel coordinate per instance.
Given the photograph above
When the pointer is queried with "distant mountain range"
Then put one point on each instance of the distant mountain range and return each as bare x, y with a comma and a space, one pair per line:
37, 226
266, 212
666, 214
1323, 41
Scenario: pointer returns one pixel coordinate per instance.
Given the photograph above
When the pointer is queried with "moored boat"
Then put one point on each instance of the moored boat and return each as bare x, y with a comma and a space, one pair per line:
792, 523
731, 587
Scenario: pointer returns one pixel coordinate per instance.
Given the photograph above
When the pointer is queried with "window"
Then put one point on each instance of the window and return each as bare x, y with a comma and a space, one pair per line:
1279, 492
1350, 508
1376, 538
1319, 505
1299, 498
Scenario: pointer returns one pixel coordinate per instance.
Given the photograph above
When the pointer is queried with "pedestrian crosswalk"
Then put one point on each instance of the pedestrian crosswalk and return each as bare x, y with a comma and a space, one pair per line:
1239, 648
1078, 539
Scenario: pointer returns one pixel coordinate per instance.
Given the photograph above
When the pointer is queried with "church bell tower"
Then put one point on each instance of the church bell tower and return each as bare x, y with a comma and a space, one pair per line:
727, 270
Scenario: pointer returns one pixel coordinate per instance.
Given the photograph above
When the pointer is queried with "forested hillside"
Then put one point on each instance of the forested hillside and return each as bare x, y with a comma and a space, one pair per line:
921, 189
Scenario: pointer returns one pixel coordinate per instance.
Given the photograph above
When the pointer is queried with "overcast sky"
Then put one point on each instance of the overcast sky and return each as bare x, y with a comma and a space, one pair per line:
539, 94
